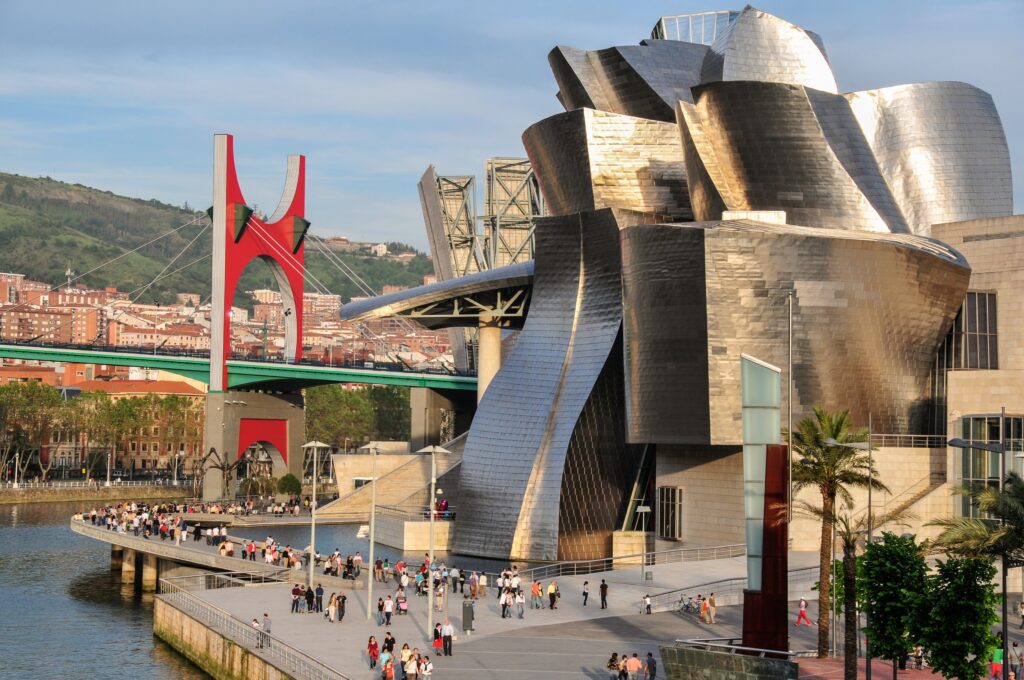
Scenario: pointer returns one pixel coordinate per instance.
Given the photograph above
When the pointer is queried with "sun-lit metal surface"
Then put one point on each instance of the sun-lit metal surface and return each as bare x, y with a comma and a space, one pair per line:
502, 293
549, 431
869, 312
941, 148
512, 201
770, 146
643, 80
587, 160
762, 47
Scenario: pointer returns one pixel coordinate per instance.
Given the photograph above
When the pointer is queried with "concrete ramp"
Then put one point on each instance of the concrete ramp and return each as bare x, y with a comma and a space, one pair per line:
407, 485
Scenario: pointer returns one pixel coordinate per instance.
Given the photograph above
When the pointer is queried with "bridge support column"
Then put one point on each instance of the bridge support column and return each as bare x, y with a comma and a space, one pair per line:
427, 415
116, 557
236, 420
489, 354
150, 572
128, 566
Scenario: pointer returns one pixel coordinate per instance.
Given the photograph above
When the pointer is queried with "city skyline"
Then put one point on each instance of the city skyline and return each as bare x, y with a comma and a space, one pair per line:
130, 103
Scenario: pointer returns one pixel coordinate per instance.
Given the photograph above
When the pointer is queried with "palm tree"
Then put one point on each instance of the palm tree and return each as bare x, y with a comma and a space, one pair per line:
833, 471
1001, 533
851, 530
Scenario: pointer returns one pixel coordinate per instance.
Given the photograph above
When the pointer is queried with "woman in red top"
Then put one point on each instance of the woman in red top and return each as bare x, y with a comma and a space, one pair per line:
373, 651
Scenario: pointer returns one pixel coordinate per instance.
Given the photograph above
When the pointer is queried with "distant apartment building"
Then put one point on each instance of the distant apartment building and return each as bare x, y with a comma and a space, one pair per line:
266, 296
379, 249
187, 299
174, 336
24, 323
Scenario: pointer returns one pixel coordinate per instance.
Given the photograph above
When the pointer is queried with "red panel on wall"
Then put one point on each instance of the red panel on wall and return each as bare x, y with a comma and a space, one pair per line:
270, 430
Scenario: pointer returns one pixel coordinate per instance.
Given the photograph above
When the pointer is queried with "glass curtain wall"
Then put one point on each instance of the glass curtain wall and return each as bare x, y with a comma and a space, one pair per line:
980, 469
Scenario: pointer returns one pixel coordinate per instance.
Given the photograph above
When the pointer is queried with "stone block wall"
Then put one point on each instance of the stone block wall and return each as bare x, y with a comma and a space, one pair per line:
218, 656
685, 663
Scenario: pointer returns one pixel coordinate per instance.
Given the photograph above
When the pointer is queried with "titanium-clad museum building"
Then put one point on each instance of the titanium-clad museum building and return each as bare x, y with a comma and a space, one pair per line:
698, 187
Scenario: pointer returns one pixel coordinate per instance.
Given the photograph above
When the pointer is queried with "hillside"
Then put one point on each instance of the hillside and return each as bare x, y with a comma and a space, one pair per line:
47, 225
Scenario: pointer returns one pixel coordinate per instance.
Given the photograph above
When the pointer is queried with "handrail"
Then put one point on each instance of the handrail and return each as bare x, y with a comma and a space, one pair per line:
85, 484
672, 600
416, 513
728, 645
908, 441
584, 567
284, 656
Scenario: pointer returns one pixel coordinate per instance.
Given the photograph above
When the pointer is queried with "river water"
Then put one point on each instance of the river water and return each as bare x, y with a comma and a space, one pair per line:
65, 614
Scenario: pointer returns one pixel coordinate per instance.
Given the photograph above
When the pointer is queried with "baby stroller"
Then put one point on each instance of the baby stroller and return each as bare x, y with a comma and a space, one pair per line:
403, 607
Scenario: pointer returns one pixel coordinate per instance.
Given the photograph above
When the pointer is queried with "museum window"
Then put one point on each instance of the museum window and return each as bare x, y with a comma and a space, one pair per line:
972, 341
979, 468
670, 513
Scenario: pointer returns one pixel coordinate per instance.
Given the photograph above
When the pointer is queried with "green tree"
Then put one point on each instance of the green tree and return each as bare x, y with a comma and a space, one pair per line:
832, 470
893, 573
956, 616
290, 485
92, 408
390, 412
334, 414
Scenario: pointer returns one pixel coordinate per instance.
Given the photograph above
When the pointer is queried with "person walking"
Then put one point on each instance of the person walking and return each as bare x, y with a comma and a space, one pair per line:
634, 666
586, 592
712, 608
332, 608
553, 595
447, 633
802, 616
650, 667
536, 596
341, 606
438, 643
380, 611
521, 603
265, 627
647, 604
296, 592
373, 652
319, 605
403, 659
389, 609
604, 594
259, 634
613, 666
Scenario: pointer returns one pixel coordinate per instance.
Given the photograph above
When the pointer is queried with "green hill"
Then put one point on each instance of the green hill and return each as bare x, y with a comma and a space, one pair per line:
47, 225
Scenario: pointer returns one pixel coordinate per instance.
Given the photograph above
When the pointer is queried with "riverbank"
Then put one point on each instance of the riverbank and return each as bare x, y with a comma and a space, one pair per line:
86, 494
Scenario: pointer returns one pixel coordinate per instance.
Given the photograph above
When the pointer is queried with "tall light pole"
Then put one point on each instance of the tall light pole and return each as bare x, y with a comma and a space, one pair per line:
373, 513
315, 446
999, 448
789, 407
643, 511
862, 446
433, 497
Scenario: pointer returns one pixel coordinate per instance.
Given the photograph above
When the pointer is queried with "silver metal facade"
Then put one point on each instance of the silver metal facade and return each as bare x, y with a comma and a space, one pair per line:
941, 148
587, 160
541, 415
869, 312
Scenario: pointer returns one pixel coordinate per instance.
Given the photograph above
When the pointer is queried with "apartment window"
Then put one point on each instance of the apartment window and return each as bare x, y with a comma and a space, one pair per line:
145, 447
131, 447
670, 513
979, 468
972, 341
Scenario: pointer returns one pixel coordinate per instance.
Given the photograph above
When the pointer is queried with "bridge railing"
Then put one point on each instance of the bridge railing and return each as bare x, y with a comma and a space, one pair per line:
727, 591
416, 513
180, 592
83, 483
375, 365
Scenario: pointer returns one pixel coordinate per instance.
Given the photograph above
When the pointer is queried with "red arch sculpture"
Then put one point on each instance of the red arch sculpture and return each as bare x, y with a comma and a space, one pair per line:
239, 237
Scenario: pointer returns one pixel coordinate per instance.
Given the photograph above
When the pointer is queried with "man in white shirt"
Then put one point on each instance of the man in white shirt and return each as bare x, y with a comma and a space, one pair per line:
426, 668
447, 631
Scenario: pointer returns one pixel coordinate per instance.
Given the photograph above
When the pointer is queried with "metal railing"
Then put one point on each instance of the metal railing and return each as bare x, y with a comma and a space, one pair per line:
415, 513
731, 646
584, 567
725, 590
84, 484
908, 441
275, 651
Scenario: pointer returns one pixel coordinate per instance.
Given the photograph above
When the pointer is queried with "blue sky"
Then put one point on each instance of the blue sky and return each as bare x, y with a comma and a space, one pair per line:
126, 96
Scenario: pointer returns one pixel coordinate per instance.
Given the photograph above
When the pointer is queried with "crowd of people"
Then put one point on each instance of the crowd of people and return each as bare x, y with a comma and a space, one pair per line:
627, 667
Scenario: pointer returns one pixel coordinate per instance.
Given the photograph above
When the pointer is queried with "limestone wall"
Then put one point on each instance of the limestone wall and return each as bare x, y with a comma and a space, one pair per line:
105, 494
208, 649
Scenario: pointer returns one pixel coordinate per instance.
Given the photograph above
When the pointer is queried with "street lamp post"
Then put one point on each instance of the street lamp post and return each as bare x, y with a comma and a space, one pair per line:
999, 448
432, 450
373, 512
315, 446
643, 511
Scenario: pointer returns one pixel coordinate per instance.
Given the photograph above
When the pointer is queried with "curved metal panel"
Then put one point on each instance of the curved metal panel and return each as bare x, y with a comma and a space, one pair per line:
588, 160
869, 312
643, 80
514, 462
761, 46
770, 146
941, 148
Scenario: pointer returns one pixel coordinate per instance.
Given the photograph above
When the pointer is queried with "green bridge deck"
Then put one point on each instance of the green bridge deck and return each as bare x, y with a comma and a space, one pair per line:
243, 374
